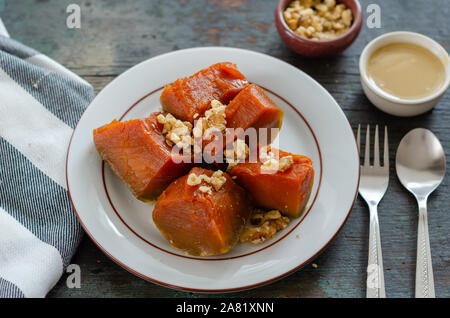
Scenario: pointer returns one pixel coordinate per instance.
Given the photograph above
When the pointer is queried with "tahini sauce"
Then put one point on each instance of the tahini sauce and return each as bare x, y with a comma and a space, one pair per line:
406, 70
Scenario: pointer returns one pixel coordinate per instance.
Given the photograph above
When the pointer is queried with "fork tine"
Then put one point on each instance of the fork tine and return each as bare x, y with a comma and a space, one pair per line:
376, 155
367, 148
386, 148
358, 138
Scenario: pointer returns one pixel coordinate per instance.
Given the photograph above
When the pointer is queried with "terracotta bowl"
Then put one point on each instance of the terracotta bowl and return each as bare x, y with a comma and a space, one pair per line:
319, 48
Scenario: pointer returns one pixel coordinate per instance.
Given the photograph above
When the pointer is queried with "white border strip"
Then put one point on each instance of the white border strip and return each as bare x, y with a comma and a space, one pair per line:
29, 263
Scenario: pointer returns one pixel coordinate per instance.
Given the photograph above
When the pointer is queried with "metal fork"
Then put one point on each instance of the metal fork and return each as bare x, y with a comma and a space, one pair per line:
372, 187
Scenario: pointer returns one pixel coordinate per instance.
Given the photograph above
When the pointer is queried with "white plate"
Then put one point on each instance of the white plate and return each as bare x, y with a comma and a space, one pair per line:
122, 226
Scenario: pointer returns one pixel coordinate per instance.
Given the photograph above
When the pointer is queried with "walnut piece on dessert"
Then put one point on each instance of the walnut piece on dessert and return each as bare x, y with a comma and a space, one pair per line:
238, 153
264, 225
177, 132
273, 165
217, 180
270, 165
194, 179
213, 121
285, 163
182, 133
205, 189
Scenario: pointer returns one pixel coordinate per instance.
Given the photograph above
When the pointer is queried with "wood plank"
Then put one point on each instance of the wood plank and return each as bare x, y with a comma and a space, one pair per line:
115, 35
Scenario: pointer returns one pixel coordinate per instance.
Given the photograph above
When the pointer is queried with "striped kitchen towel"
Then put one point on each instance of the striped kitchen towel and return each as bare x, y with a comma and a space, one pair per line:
40, 104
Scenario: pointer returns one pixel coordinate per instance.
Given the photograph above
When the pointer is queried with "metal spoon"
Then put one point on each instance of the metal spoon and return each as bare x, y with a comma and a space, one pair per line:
420, 165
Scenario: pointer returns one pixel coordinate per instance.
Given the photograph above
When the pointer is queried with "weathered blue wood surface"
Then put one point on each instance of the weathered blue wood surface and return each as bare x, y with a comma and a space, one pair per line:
117, 34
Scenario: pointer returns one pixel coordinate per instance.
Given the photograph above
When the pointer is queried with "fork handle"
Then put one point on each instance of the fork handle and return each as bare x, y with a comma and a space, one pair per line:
424, 268
375, 275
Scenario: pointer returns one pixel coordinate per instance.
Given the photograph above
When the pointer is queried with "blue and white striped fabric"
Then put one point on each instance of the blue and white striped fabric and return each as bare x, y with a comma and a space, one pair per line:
40, 104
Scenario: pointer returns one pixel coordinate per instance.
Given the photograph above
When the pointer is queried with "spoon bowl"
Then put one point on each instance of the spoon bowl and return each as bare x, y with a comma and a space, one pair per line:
420, 162
420, 165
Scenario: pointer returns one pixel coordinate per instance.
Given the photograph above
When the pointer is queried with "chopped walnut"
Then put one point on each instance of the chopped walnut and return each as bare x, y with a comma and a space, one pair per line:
161, 119
194, 179
200, 127
285, 163
238, 153
205, 189
259, 216
347, 17
217, 180
177, 132
182, 134
318, 19
265, 154
213, 121
265, 226
271, 165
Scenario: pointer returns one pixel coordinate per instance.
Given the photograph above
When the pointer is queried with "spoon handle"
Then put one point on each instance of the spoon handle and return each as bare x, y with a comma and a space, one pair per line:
424, 268
375, 275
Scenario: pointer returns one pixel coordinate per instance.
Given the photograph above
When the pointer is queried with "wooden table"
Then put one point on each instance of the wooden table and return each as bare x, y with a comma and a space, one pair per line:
116, 34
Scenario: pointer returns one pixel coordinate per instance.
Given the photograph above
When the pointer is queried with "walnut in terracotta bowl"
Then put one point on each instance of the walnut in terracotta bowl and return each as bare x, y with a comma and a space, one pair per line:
318, 28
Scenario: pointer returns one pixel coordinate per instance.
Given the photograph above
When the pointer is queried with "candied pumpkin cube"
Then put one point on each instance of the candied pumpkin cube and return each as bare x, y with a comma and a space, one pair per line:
253, 108
190, 97
202, 222
287, 191
137, 152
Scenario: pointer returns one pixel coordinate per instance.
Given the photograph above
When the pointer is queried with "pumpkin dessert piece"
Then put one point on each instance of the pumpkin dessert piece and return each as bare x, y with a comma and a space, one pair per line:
140, 155
279, 181
202, 213
188, 98
253, 108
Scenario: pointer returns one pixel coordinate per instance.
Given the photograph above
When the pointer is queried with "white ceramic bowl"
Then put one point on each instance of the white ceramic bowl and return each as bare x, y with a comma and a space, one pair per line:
389, 103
